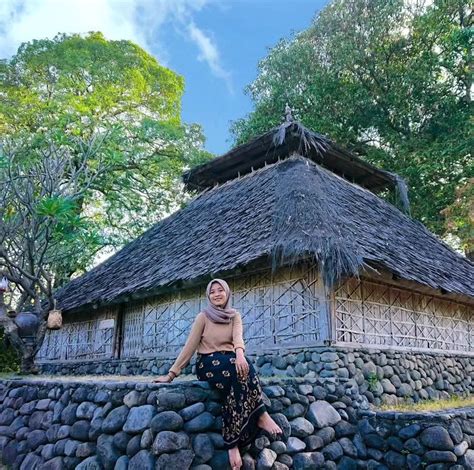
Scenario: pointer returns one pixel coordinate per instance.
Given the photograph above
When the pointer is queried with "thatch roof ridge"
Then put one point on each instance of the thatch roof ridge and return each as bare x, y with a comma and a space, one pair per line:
287, 210
281, 142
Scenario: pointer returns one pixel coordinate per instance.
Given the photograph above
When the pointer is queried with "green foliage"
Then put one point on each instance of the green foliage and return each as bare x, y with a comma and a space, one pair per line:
373, 381
106, 104
9, 361
390, 80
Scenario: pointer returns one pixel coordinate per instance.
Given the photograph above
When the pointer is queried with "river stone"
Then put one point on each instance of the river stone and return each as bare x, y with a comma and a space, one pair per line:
322, 414
413, 462
134, 398
295, 445
133, 445
409, 431
319, 392
47, 452
301, 427
57, 464
413, 445
142, 460
115, 420
31, 461
274, 391
71, 447
278, 446
437, 437
348, 447
332, 451
166, 421
405, 390
461, 448
279, 362
308, 461
327, 434
106, 451
68, 415
192, 411
455, 432
80, 430
360, 446
36, 420
121, 440
347, 463
265, 459
146, 439
91, 463
171, 400
387, 386
86, 410
180, 460
440, 456
169, 441
468, 459
122, 463
314, 443
294, 411
139, 419
85, 449
203, 447
281, 420
36, 438
202, 422
7, 416
395, 460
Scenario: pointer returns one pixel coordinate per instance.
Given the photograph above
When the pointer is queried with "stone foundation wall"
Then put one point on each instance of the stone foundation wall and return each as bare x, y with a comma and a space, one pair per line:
53, 425
383, 376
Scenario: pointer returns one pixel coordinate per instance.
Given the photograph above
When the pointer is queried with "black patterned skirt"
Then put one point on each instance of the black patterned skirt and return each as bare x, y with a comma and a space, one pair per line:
242, 399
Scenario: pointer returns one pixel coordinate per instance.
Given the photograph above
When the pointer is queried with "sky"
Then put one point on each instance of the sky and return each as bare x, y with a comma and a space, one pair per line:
214, 44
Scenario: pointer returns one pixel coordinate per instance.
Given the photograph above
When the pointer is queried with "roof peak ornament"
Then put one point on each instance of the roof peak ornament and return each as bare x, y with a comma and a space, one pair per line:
289, 114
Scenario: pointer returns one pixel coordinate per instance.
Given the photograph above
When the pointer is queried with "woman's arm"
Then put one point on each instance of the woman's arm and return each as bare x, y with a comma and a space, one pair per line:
241, 364
190, 347
237, 333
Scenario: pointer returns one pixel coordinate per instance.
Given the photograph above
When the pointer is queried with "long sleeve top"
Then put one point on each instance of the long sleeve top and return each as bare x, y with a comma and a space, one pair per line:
207, 336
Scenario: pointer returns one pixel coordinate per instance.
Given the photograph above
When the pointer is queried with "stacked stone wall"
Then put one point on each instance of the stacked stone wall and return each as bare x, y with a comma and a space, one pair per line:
56, 425
383, 376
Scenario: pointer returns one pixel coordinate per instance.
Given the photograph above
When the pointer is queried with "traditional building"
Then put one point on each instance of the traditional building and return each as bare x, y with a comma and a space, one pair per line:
314, 256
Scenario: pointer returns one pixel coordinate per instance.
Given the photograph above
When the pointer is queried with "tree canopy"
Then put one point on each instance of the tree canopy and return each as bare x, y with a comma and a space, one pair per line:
73, 94
390, 80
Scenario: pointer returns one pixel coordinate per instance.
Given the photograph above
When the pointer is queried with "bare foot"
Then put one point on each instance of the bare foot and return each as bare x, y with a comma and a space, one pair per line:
235, 459
267, 424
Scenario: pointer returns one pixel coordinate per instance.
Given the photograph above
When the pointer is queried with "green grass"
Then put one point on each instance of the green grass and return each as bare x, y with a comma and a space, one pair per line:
431, 405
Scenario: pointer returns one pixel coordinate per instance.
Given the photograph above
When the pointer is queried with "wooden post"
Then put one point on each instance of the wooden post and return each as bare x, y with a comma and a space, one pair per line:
118, 336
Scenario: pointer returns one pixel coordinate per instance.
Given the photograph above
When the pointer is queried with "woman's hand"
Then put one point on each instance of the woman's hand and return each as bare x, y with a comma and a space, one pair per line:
164, 378
241, 364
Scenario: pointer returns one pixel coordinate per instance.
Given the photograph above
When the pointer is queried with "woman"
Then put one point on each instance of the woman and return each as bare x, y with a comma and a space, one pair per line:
217, 336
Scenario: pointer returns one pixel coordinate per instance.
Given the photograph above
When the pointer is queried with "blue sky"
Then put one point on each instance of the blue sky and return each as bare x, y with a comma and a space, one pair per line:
214, 44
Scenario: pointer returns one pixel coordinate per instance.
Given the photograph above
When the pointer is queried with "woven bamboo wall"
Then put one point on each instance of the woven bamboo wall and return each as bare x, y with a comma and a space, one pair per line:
373, 313
91, 337
286, 308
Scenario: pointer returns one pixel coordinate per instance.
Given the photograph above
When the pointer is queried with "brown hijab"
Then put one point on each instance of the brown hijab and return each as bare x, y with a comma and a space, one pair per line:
218, 314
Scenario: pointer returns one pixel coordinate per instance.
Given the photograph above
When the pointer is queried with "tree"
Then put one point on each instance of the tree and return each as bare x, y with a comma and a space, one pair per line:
390, 80
91, 151
70, 87
40, 191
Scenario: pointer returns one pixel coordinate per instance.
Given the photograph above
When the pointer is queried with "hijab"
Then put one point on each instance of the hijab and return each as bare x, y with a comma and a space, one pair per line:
219, 314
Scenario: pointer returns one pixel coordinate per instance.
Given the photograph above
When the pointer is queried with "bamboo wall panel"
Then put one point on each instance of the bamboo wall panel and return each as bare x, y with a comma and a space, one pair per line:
90, 338
377, 314
280, 309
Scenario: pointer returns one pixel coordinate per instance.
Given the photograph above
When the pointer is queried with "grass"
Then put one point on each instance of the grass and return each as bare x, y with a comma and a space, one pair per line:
431, 405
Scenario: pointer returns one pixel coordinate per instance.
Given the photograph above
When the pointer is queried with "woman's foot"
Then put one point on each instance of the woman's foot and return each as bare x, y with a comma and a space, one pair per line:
267, 424
234, 458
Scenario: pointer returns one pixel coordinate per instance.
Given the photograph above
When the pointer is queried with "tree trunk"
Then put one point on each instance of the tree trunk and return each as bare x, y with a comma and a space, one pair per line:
27, 365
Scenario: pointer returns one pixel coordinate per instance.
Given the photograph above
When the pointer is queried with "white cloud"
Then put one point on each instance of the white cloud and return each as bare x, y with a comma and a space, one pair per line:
137, 20
209, 53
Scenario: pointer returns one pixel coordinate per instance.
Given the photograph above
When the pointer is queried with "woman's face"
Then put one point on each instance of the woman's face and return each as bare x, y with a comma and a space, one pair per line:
217, 295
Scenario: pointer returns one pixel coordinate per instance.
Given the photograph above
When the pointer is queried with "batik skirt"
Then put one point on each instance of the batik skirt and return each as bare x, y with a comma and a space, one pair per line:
242, 398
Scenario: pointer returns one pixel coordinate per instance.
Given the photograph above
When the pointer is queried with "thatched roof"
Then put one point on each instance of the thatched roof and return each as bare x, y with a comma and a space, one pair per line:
280, 142
291, 209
